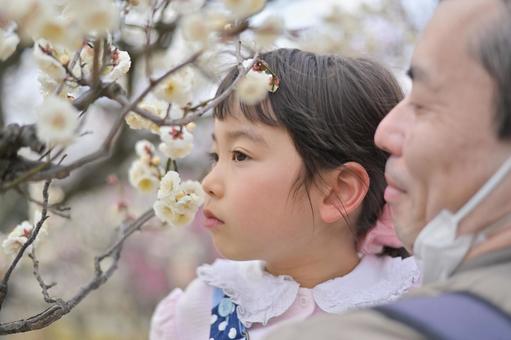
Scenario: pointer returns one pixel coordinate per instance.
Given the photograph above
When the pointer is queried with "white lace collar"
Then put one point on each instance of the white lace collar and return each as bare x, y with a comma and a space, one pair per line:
262, 296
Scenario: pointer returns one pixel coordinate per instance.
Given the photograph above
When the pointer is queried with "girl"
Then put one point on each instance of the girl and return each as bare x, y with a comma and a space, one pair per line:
295, 187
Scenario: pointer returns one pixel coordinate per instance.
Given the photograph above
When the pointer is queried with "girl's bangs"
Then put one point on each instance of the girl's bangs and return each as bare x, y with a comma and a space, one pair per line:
258, 113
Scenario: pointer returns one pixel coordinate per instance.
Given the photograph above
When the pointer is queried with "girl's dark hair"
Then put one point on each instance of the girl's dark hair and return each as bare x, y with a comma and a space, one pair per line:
330, 106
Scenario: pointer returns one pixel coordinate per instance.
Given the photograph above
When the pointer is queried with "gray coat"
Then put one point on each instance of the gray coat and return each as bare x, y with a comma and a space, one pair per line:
488, 276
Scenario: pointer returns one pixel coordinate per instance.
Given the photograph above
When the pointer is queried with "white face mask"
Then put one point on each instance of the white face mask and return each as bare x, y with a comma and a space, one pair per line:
438, 249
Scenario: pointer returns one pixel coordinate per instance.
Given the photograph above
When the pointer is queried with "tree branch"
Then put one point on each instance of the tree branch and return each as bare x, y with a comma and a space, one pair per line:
105, 149
202, 108
13, 137
60, 307
31, 239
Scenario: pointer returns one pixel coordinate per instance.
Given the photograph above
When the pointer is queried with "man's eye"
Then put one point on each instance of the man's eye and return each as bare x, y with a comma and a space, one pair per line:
213, 157
239, 156
418, 108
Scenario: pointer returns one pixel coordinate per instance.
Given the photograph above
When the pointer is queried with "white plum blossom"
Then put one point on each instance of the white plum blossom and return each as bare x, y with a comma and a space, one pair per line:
178, 202
176, 89
164, 211
146, 183
216, 20
17, 238
144, 149
154, 106
52, 74
254, 87
144, 176
269, 31
121, 65
57, 30
169, 184
57, 121
177, 142
21, 233
95, 16
8, 43
46, 63
244, 8
144, 173
19, 9
100, 17
191, 126
118, 65
136, 122
189, 197
195, 29
48, 84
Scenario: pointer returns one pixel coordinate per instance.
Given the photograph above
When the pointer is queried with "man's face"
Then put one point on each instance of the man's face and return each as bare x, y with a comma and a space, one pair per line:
442, 136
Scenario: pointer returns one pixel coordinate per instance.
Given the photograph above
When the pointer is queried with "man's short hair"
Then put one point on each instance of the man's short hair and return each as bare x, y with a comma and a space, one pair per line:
493, 49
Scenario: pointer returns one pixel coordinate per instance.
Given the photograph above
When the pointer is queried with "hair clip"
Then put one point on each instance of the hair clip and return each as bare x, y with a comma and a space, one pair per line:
260, 66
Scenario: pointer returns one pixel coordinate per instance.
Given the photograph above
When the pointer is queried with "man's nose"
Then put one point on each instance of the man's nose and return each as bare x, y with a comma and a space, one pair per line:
390, 133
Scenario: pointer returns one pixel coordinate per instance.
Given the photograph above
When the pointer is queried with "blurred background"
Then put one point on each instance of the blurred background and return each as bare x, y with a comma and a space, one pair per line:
159, 258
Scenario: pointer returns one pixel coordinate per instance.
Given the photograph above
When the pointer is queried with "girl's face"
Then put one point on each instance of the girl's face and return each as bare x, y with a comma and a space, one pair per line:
252, 210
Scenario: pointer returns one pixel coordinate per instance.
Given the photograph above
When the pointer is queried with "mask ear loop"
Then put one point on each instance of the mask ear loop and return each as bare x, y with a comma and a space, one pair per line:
485, 190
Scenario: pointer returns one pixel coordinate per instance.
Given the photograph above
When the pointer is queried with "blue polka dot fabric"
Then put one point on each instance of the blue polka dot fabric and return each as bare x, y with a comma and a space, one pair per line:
225, 324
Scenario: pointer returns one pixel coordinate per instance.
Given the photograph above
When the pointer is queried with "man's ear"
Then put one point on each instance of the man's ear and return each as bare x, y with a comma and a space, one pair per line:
344, 190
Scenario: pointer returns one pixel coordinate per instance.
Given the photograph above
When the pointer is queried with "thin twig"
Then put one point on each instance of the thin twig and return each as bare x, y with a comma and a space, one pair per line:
55, 209
211, 103
33, 235
126, 233
68, 68
39, 278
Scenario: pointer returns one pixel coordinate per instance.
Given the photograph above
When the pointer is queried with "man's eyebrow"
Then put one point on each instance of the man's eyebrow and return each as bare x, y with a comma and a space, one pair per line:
418, 74
410, 73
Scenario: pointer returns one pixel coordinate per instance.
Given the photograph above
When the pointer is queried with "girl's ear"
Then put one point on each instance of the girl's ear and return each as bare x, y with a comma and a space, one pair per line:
344, 191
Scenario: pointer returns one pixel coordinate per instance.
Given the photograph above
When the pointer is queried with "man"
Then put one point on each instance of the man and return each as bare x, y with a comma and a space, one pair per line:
449, 184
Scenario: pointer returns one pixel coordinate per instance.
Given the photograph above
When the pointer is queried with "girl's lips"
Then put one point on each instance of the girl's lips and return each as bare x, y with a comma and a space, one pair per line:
211, 220
212, 223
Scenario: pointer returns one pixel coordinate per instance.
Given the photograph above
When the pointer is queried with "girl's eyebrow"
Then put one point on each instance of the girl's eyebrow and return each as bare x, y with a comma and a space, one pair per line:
244, 133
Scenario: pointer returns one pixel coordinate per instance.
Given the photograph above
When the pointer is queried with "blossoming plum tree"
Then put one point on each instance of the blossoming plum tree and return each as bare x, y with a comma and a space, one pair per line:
87, 51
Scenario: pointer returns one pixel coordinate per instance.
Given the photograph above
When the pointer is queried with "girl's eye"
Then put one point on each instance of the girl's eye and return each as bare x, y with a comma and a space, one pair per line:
239, 156
213, 157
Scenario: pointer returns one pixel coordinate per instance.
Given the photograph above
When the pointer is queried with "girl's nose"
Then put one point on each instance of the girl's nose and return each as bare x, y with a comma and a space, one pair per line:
212, 184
